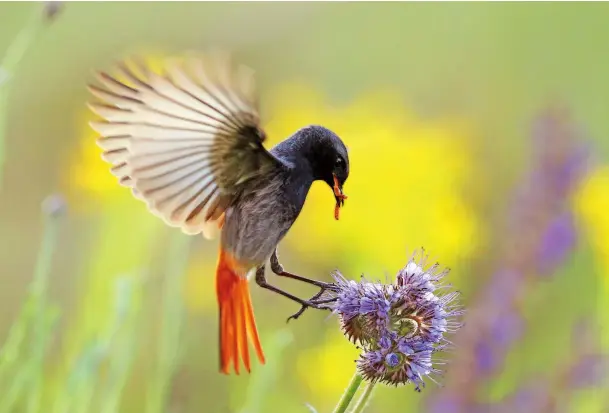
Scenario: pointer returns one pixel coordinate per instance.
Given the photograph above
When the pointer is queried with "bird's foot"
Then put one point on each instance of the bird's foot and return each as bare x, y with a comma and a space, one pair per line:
316, 302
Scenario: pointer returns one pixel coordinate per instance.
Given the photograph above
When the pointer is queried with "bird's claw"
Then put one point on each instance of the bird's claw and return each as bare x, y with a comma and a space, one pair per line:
303, 307
316, 302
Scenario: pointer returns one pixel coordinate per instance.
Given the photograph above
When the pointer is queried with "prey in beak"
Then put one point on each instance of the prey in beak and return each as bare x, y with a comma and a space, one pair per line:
339, 195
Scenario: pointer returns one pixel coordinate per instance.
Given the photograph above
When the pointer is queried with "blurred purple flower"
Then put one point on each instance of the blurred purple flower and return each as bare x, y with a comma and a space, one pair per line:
590, 365
54, 205
559, 153
535, 396
539, 234
52, 9
502, 286
589, 370
559, 239
485, 358
446, 403
506, 327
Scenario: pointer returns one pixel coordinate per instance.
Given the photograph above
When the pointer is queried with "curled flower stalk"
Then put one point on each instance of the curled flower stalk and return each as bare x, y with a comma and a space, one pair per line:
399, 325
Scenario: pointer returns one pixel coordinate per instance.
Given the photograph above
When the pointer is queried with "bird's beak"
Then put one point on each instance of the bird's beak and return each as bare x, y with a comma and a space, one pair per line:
338, 195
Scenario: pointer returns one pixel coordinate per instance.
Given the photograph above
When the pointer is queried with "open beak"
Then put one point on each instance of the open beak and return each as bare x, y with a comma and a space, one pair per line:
339, 196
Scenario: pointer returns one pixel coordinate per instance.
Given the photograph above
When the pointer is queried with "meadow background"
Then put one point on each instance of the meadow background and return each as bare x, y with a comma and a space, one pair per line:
479, 131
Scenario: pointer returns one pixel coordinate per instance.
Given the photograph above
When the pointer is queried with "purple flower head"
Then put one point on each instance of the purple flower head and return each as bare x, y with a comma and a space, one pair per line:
398, 325
427, 318
392, 360
418, 279
559, 239
363, 308
398, 364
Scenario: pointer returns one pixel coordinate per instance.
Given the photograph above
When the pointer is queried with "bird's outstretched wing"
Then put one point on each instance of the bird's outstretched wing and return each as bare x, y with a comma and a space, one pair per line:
186, 140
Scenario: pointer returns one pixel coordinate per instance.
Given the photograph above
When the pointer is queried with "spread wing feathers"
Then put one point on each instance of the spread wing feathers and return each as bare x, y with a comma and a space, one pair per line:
186, 140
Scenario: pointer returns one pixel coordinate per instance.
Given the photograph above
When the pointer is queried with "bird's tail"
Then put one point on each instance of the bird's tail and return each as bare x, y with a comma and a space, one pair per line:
236, 316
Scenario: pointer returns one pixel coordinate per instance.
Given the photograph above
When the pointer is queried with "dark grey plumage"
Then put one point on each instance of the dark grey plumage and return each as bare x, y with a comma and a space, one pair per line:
269, 205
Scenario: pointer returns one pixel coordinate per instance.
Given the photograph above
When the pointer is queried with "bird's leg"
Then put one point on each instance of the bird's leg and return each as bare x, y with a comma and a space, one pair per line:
261, 281
277, 268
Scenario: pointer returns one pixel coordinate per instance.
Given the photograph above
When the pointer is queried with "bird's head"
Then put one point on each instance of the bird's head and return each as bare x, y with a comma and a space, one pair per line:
329, 160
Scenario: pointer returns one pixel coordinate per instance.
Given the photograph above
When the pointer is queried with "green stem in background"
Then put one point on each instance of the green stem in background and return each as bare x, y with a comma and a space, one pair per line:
349, 393
363, 400
263, 382
26, 374
83, 380
111, 351
38, 291
37, 317
172, 316
8, 67
12, 348
124, 341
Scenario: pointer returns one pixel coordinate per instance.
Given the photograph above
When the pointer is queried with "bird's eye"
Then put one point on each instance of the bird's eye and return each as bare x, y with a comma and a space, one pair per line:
339, 162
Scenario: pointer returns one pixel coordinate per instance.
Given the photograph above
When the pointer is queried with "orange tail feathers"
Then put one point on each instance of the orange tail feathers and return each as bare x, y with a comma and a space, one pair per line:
236, 316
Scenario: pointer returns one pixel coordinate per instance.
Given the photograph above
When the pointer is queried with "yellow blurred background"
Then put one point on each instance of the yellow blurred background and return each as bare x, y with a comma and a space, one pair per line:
462, 121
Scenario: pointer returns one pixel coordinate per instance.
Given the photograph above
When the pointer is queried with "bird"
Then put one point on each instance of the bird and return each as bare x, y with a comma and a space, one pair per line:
188, 141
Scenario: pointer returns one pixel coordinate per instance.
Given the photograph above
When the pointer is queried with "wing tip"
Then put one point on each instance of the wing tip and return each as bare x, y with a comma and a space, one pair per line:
92, 106
98, 126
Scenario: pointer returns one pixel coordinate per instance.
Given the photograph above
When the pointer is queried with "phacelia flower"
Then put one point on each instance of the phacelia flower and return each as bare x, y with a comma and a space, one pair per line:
363, 308
398, 325
398, 364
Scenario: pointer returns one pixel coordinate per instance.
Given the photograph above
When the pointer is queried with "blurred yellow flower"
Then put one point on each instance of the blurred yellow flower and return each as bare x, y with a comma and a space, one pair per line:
405, 185
199, 289
327, 369
591, 205
87, 175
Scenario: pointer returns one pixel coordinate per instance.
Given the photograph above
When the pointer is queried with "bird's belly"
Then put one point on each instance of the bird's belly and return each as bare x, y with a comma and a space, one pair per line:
252, 234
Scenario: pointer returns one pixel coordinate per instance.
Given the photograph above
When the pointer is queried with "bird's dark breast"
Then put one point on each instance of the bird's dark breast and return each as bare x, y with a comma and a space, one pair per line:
261, 216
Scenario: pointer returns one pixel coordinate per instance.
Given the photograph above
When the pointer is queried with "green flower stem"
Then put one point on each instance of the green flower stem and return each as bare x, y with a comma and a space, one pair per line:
26, 374
37, 318
264, 381
105, 362
124, 338
364, 399
13, 347
8, 67
38, 290
170, 349
349, 393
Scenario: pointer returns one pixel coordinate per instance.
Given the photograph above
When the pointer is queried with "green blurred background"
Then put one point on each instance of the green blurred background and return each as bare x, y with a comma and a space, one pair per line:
105, 310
